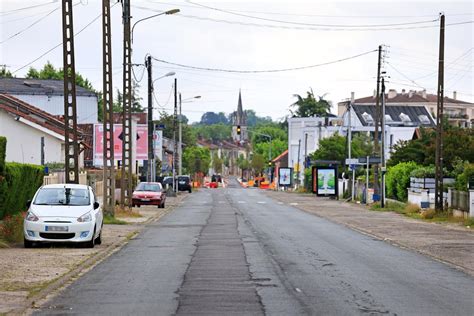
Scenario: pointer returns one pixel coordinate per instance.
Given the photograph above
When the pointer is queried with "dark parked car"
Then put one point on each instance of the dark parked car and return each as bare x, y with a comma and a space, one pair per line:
184, 183
149, 193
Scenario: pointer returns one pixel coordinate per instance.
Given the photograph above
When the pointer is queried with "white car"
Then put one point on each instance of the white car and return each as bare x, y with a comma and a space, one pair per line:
63, 213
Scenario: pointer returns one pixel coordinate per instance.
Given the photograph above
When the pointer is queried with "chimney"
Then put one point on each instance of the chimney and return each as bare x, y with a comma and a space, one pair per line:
403, 91
392, 93
375, 94
411, 93
352, 97
424, 93
454, 95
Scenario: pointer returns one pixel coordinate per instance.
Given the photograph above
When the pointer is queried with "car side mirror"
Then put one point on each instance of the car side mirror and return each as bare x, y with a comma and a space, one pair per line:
28, 203
96, 205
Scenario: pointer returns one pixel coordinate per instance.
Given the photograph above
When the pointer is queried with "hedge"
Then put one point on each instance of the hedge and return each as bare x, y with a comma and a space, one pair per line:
3, 150
397, 180
17, 186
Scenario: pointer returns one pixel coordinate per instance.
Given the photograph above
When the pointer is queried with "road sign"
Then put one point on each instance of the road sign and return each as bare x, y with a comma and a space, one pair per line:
352, 161
372, 160
352, 166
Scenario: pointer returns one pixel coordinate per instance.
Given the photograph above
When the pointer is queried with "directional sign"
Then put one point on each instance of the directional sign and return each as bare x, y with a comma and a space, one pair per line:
352, 161
372, 160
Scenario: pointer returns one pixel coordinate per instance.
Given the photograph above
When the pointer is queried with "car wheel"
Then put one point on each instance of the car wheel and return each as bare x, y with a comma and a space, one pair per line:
163, 205
98, 240
27, 243
189, 190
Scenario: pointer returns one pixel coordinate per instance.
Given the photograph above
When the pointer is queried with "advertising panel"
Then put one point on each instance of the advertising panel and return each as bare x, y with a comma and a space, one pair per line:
158, 145
141, 143
324, 181
285, 176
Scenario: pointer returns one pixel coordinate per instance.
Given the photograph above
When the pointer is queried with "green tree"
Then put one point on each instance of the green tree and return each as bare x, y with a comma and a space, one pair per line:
257, 163
243, 163
167, 120
310, 106
261, 143
335, 148
210, 118
217, 163
196, 159
214, 132
4, 73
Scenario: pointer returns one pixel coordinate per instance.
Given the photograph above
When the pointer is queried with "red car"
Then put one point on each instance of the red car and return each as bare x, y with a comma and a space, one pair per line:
149, 193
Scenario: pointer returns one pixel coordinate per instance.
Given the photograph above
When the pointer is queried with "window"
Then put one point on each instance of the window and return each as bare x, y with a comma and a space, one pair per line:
388, 118
405, 118
368, 118
424, 119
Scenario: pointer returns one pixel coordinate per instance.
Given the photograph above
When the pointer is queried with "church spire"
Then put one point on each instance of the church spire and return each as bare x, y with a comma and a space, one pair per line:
240, 111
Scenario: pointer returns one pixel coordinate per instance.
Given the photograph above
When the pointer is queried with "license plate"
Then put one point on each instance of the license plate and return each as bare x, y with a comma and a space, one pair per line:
145, 200
182, 182
56, 228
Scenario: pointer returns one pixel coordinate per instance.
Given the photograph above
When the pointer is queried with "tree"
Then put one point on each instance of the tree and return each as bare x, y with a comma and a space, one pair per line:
50, 72
196, 159
167, 121
335, 148
214, 132
261, 144
4, 73
257, 163
210, 118
309, 106
217, 163
253, 119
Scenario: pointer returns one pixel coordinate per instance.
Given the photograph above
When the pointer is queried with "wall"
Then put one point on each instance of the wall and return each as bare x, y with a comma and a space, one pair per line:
54, 105
24, 142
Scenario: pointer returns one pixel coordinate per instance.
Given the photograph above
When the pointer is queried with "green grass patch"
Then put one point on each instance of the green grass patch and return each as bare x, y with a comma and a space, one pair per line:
390, 206
11, 229
112, 220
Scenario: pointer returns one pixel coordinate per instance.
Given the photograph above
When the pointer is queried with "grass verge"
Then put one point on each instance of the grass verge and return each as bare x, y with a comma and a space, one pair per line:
112, 220
120, 212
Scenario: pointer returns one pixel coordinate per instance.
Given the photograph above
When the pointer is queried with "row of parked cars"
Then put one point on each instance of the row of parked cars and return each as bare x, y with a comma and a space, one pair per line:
71, 212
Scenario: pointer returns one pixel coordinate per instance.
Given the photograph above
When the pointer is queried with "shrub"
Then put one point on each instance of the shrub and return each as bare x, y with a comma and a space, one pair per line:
412, 208
424, 172
428, 214
3, 150
18, 186
397, 180
11, 229
308, 181
462, 179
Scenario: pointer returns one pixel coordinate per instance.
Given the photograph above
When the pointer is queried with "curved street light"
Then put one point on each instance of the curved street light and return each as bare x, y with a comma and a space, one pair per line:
169, 12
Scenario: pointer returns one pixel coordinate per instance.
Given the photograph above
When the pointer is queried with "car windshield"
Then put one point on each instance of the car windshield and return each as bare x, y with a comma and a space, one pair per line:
155, 187
183, 178
62, 196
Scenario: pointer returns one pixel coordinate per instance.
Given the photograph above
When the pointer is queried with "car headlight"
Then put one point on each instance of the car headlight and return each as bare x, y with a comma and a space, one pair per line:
31, 217
85, 218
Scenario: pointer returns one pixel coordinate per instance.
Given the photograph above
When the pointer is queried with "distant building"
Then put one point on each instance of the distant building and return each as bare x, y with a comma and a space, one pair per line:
305, 133
459, 113
33, 136
48, 95
239, 120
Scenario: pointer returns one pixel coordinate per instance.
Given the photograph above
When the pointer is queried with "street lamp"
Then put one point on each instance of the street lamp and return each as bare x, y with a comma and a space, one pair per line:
180, 146
172, 11
151, 170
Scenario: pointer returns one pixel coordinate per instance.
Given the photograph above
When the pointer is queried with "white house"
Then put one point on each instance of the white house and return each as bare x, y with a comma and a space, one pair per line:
401, 122
48, 95
31, 132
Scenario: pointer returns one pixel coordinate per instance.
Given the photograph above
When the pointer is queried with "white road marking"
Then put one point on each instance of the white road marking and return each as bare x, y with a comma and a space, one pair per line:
261, 202
241, 202
293, 203
298, 290
281, 203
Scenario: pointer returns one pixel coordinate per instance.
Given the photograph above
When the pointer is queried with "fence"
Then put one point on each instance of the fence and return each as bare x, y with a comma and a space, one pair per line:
460, 200
60, 177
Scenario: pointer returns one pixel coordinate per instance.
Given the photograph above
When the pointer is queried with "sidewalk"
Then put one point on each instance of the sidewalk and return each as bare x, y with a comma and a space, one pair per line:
28, 276
450, 243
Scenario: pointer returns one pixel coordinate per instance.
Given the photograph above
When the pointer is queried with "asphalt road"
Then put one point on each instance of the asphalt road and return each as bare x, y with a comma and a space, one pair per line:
235, 251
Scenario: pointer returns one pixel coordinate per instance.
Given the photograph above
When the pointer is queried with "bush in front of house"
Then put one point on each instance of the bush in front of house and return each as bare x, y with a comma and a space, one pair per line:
397, 180
462, 179
18, 185
3, 150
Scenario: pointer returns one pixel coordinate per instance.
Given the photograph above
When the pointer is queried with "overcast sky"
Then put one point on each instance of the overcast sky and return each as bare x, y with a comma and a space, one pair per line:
255, 35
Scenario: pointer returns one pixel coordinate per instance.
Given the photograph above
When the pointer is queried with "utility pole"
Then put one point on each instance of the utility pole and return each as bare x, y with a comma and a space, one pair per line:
298, 164
151, 159
376, 121
175, 143
349, 149
71, 149
439, 122
180, 146
382, 195
108, 112
126, 183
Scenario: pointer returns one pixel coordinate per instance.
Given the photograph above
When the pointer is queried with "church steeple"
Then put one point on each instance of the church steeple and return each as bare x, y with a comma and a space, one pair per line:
239, 119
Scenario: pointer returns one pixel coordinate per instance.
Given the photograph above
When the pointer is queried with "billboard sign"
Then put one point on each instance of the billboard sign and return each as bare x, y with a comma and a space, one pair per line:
158, 145
324, 181
141, 143
285, 177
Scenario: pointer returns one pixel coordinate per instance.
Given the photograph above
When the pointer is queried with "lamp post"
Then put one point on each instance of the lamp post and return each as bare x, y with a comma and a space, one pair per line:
180, 120
151, 170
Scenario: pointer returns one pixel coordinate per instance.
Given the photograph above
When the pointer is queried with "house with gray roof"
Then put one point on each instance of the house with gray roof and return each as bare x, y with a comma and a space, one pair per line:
48, 95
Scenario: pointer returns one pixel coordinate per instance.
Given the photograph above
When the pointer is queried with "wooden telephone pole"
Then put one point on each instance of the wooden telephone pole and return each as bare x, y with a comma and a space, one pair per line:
439, 122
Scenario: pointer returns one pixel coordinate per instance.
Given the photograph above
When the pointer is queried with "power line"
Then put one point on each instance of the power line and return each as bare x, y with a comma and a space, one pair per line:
60, 44
264, 71
26, 8
310, 24
30, 26
411, 80
174, 4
